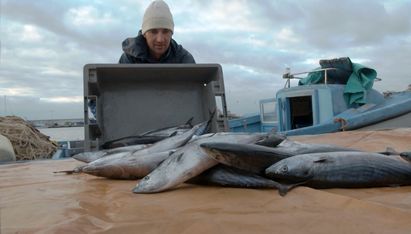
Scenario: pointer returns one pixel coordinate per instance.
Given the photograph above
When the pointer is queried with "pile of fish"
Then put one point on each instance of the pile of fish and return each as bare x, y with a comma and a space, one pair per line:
188, 154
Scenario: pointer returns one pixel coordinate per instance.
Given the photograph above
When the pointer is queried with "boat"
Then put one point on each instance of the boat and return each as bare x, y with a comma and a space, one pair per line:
326, 106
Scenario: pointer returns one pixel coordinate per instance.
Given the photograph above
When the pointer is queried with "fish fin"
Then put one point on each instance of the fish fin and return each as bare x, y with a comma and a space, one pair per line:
179, 156
323, 160
283, 189
212, 113
390, 151
207, 127
190, 122
272, 140
173, 134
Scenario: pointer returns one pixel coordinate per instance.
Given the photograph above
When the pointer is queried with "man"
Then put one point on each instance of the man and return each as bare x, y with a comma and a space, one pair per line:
154, 43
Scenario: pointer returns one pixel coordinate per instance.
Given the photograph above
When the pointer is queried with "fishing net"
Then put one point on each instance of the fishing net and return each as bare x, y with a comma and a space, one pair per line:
28, 142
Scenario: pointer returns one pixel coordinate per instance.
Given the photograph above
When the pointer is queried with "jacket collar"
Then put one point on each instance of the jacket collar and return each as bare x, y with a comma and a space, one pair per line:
137, 47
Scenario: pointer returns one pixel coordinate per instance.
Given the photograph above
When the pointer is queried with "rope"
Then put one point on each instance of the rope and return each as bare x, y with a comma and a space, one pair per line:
28, 142
343, 123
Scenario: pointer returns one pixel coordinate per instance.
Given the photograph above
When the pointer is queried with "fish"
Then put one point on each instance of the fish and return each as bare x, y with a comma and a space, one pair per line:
188, 162
76, 170
249, 157
169, 131
296, 147
94, 155
406, 156
131, 140
175, 141
149, 137
222, 175
256, 158
342, 170
272, 140
177, 130
163, 145
126, 165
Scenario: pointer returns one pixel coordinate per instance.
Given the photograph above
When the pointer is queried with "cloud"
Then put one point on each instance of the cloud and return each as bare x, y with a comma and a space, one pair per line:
352, 23
74, 99
33, 108
30, 33
88, 16
45, 44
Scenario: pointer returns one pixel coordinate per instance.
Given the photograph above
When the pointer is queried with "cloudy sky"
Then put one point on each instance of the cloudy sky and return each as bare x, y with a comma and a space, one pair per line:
46, 43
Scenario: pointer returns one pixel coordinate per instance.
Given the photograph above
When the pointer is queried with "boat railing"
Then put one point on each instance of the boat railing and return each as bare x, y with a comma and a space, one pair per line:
287, 75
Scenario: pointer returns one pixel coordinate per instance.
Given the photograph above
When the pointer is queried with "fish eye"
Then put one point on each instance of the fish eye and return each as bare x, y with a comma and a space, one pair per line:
284, 169
146, 178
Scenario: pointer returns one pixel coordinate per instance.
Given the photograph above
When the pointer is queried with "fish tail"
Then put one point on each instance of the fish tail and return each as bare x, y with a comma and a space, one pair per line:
74, 171
68, 172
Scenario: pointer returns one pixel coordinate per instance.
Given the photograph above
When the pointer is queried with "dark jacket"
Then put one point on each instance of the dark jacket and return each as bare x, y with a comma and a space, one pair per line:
136, 51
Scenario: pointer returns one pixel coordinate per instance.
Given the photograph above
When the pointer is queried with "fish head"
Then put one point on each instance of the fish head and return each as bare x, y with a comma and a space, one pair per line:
90, 169
216, 150
271, 140
108, 171
148, 185
290, 170
163, 177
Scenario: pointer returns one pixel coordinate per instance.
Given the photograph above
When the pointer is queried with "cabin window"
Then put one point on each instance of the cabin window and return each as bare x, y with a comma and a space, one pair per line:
268, 111
301, 112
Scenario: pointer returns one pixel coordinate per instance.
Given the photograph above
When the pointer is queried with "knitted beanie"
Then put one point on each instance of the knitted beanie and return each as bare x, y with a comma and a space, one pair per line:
157, 15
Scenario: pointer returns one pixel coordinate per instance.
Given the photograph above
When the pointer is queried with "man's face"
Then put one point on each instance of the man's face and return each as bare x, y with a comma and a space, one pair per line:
158, 41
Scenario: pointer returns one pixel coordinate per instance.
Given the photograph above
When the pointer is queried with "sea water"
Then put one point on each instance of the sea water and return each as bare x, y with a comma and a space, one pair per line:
64, 134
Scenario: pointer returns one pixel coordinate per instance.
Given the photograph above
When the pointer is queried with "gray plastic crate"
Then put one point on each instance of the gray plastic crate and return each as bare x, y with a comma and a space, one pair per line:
134, 98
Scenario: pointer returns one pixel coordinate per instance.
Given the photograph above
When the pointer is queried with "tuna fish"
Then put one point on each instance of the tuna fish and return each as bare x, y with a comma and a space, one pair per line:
188, 162
295, 147
94, 155
226, 176
256, 158
149, 137
167, 144
132, 140
126, 165
249, 157
169, 131
175, 141
342, 170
